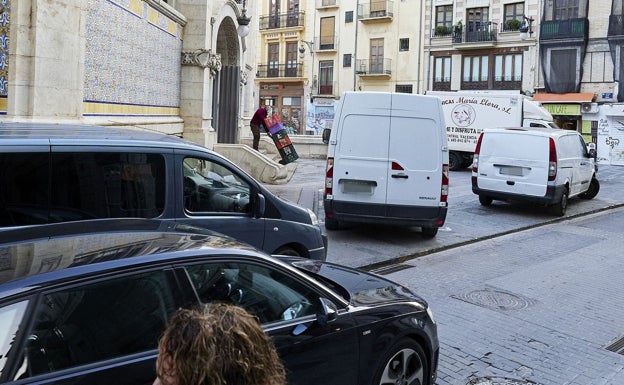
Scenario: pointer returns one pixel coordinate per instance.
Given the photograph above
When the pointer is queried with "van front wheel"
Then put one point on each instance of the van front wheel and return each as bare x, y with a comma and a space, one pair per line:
592, 191
559, 209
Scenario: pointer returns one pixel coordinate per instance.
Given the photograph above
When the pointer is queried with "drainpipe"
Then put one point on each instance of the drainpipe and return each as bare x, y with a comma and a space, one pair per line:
357, 22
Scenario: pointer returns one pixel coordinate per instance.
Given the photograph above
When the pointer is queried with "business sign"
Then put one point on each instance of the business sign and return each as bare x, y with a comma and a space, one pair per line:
563, 109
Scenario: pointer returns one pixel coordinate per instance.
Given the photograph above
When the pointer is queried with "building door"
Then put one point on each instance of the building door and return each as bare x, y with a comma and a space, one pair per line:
274, 17
291, 59
273, 65
225, 104
376, 56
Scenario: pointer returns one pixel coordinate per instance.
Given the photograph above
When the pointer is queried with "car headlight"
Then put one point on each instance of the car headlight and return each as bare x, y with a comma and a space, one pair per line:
313, 217
430, 313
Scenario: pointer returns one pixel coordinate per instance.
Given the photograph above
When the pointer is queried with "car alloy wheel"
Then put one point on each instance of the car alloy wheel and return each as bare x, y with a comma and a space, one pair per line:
405, 365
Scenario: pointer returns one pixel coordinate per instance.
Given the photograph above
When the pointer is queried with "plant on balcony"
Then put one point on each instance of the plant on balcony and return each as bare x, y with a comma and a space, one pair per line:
441, 30
512, 25
459, 27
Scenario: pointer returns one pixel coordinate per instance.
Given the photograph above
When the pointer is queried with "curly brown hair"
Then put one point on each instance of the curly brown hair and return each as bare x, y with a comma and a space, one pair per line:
217, 345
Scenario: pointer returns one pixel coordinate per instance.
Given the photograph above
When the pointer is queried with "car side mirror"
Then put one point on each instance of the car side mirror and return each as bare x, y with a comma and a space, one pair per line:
326, 134
327, 313
260, 206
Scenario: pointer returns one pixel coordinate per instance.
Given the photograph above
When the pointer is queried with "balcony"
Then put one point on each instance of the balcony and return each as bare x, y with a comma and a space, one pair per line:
375, 11
326, 4
374, 68
616, 26
284, 20
475, 36
564, 29
271, 71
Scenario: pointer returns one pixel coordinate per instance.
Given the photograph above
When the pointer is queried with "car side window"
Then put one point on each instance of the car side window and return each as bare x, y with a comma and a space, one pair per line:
98, 321
211, 187
11, 317
269, 294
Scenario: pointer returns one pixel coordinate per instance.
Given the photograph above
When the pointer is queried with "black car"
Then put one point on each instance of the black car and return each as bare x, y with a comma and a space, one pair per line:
86, 302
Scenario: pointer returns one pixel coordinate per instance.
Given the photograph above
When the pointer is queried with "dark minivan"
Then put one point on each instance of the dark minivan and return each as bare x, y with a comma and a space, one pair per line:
59, 172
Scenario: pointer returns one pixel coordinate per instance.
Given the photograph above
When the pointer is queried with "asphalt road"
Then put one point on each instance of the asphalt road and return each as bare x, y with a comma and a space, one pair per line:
374, 247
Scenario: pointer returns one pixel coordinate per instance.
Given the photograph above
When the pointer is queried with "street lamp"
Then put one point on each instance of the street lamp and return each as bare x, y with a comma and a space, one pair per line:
302, 50
526, 29
243, 22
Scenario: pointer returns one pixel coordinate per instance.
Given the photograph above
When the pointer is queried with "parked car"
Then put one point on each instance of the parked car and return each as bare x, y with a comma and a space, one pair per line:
85, 303
536, 165
60, 172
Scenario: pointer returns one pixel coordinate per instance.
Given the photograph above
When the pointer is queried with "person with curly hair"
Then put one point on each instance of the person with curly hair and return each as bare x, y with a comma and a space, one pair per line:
217, 345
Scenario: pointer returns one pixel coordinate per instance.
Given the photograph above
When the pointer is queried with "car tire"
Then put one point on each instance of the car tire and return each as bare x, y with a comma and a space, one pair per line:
288, 251
455, 162
559, 208
592, 190
404, 363
485, 200
429, 232
331, 224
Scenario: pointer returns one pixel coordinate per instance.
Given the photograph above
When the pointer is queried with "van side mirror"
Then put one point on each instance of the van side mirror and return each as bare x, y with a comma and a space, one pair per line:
259, 207
326, 133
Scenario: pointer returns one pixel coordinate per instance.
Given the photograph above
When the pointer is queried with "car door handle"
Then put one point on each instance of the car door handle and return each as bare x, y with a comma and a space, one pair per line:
400, 176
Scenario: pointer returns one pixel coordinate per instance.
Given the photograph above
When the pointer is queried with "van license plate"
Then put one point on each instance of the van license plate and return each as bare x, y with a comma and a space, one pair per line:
515, 171
351, 186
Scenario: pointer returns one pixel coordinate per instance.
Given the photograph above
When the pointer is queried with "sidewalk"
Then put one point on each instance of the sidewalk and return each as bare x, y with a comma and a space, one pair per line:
306, 185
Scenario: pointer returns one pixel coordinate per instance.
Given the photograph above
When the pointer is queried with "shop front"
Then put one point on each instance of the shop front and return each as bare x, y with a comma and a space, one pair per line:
567, 111
286, 100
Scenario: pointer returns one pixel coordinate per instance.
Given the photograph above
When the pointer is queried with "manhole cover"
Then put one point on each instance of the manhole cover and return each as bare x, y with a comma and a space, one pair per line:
498, 381
495, 299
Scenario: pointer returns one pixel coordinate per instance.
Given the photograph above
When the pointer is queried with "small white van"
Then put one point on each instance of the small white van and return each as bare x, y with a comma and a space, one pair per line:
537, 165
387, 162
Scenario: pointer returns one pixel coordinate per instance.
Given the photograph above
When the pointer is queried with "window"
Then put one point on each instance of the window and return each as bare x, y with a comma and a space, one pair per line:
99, 321
566, 9
404, 44
273, 71
513, 16
444, 17
346, 60
11, 317
270, 295
403, 88
326, 77
292, 52
349, 17
508, 67
475, 68
442, 73
210, 187
327, 33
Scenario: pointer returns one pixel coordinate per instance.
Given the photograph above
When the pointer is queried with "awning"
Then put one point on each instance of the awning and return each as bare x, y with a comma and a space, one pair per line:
581, 97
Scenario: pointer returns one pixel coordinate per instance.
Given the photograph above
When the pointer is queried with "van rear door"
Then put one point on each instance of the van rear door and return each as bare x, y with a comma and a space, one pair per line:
514, 162
415, 156
361, 156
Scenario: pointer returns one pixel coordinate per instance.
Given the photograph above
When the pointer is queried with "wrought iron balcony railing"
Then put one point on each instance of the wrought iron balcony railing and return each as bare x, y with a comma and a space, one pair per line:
616, 25
374, 67
283, 20
475, 33
292, 70
564, 29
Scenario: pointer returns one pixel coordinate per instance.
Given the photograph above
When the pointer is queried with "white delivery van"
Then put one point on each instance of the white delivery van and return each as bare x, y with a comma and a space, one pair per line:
387, 161
538, 165
467, 113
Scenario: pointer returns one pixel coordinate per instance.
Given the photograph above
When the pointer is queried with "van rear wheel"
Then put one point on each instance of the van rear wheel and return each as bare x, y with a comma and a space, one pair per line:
559, 208
592, 191
429, 232
331, 223
485, 200
455, 161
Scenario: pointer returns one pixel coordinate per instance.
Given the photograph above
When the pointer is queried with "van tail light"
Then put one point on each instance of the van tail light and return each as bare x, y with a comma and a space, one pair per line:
329, 176
552, 161
445, 183
475, 158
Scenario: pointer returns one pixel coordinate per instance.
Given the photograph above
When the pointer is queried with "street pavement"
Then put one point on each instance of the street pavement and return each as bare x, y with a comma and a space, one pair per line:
520, 297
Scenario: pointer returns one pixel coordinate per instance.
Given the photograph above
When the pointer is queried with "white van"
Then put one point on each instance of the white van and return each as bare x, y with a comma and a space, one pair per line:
538, 165
387, 161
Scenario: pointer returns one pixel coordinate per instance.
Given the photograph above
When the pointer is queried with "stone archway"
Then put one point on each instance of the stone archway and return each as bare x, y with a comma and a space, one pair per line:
226, 95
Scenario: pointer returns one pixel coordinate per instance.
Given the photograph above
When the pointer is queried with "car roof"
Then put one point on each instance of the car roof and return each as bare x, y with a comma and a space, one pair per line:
42, 133
541, 131
28, 253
